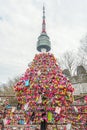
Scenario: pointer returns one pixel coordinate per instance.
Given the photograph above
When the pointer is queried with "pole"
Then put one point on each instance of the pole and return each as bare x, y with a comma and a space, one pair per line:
43, 125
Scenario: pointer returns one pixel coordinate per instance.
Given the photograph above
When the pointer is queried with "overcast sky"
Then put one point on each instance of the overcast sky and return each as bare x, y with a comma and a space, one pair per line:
20, 26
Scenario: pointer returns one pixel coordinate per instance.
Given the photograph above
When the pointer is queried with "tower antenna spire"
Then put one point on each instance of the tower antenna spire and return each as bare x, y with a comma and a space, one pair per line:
43, 22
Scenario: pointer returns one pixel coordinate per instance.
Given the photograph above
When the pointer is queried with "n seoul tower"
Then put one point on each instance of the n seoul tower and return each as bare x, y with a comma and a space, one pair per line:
43, 43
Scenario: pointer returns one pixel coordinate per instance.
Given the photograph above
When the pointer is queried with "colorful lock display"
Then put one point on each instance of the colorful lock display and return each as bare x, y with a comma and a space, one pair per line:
44, 85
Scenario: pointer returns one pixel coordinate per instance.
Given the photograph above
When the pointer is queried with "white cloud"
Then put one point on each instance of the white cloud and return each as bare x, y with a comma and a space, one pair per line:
20, 25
